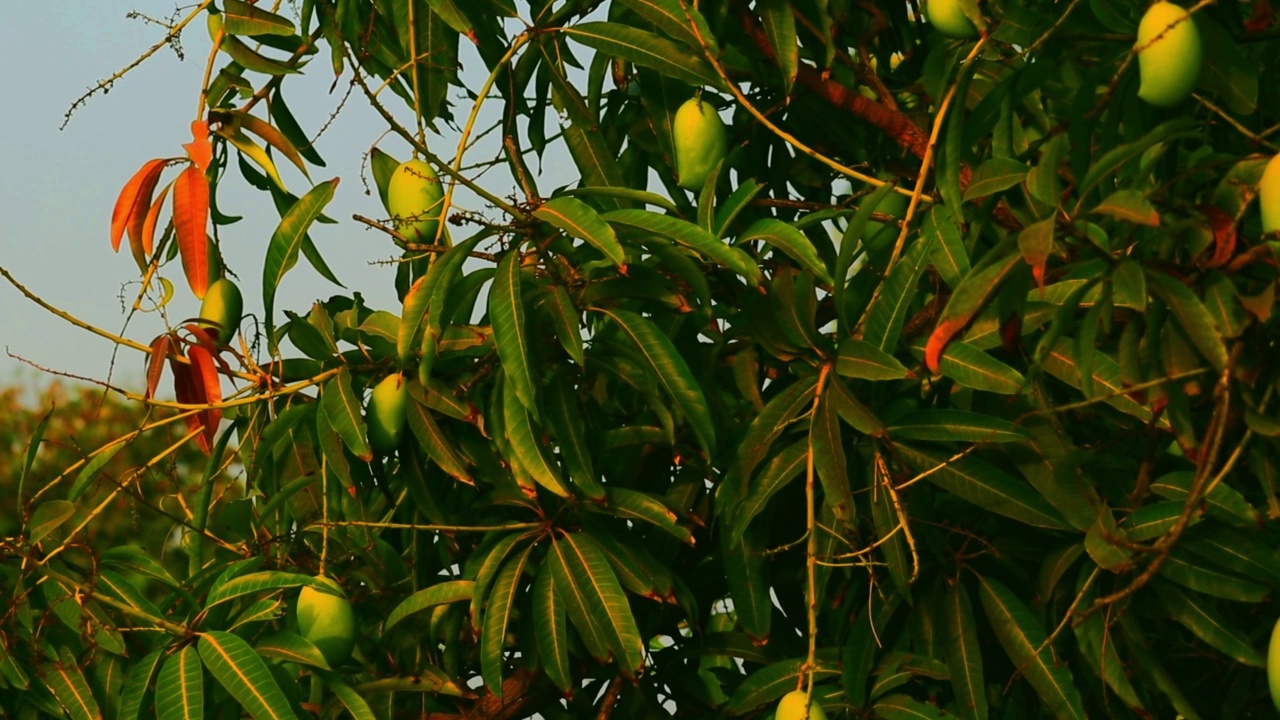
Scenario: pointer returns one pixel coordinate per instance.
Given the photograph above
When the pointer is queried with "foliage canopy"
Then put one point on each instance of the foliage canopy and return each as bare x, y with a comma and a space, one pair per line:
940, 396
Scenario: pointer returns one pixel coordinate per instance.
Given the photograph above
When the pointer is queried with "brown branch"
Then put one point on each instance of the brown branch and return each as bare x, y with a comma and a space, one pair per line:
610, 699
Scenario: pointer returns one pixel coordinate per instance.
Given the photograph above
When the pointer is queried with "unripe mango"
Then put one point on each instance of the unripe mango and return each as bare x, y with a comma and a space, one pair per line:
701, 142
221, 310
1169, 54
1269, 196
1273, 665
327, 621
386, 414
415, 199
949, 18
793, 704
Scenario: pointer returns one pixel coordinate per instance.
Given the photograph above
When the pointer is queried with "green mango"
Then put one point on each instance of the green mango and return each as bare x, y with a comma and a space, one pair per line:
1269, 196
415, 199
701, 142
221, 310
949, 18
386, 413
1169, 55
327, 621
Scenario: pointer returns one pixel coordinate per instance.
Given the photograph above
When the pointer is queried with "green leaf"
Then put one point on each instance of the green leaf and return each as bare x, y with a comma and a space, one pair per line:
964, 657
790, 241
235, 665
63, 678
948, 256
1061, 363
1129, 206
773, 681
1021, 635
971, 367
646, 49
676, 20
985, 486
258, 582
777, 473
859, 359
47, 517
1204, 621
744, 572
993, 176
241, 18
901, 707
347, 695
1223, 501
413, 313
529, 451
581, 221
439, 448
448, 11
1114, 158
1192, 316
114, 585
343, 411
882, 326
564, 420
691, 236
670, 370
550, 629
780, 27
282, 250
291, 647
955, 426
134, 694
90, 470
450, 591
383, 166
1186, 570
497, 613
33, 448
624, 193
636, 505
507, 313
827, 448
489, 565
180, 687
1098, 647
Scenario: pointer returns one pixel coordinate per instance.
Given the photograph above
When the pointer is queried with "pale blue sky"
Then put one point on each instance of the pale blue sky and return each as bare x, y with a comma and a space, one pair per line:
59, 187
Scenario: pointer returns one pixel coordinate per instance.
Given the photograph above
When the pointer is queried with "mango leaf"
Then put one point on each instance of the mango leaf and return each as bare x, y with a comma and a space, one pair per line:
444, 593
993, 176
782, 469
985, 486
971, 367
190, 221
581, 221
439, 447
955, 426
1061, 363
964, 658
646, 49
1192, 316
291, 647
241, 18
744, 570
493, 635
1129, 206
347, 695
636, 505
180, 687
587, 583
1191, 572
780, 27
674, 19
342, 410
137, 681
670, 370
282, 251
773, 681
970, 297
859, 359
902, 707
1223, 501
47, 517
528, 449
564, 419
550, 629
790, 241
948, 256
258, 582
691, 236
235, 665
507, 313
882, 325
827, 449
63, 678
1021, 635
1207, 624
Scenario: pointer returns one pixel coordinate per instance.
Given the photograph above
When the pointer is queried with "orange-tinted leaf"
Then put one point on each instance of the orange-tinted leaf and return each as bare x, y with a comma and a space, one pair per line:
144, 244
155, 363
190, 218
1224, 235
207, 340
199, 149
135, 192
205, 374
189, 391
938, 342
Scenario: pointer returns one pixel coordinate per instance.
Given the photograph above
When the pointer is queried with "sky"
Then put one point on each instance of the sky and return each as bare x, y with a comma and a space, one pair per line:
58, 187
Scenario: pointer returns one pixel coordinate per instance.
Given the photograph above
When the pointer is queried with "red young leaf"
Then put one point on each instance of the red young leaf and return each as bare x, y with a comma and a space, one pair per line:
199, 149
155, 363
938, 341
190, 391
206, 339
204, 374
190, 218
147, 240
1224, 235
133, 200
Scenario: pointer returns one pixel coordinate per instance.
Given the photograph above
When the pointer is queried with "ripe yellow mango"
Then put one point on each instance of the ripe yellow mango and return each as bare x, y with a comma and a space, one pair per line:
701, 142
1269, 196
221, 310
1169, 54
386, 413
327, 621
793, 705
949, 18
415, 199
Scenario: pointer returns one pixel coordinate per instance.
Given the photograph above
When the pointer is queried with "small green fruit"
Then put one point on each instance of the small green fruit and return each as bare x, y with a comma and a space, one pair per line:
701, 142
221, 310
1169, 54
386, 413
1273, 665
793, 705
415, 198
949, 18
327, 621
1269, 196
